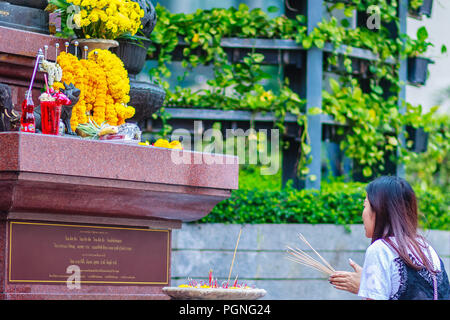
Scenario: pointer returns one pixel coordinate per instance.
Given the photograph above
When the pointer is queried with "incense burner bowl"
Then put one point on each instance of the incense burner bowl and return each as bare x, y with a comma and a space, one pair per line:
177, 293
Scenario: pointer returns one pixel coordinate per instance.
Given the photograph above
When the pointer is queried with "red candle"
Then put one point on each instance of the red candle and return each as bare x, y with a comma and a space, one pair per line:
210, 278
235, 282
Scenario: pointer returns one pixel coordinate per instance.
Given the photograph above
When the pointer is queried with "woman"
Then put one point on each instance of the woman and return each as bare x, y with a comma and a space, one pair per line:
399, 263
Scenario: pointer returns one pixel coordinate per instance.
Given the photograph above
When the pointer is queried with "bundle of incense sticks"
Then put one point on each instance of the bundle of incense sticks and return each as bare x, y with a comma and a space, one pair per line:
299, 256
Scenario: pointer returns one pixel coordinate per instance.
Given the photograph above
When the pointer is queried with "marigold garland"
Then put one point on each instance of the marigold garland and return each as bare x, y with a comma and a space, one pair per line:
104, 86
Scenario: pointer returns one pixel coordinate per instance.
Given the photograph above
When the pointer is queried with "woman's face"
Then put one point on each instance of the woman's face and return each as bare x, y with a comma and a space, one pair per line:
368, 217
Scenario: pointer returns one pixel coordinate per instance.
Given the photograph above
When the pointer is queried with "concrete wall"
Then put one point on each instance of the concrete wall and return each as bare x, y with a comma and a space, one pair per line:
261, 258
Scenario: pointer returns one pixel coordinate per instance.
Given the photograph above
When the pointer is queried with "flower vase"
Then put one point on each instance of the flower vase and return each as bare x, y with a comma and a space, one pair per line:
95, 44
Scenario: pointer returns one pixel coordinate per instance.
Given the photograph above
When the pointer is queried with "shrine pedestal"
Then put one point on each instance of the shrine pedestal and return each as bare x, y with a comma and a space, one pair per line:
92, 220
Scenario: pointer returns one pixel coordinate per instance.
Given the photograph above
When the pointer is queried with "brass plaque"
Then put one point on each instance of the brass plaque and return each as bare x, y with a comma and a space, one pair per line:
42, 253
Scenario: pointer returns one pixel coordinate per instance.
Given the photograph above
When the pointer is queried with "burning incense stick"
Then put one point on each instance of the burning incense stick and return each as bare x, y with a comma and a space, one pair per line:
234, 256
299, 256
235, 284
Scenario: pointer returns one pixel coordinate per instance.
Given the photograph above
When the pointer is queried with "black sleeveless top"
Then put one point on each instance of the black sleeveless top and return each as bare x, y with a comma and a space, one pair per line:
419, 284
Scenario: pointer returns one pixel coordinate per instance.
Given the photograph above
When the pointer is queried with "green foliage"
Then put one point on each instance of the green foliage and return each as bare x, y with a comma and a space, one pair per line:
261, 199
434, 206
416, 47
234, 86
365, 115
250, 177
431, 169
336, 203
372, 116
289, 205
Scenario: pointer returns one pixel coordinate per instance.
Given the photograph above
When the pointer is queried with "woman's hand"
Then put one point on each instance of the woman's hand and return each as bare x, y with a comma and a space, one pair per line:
348, 281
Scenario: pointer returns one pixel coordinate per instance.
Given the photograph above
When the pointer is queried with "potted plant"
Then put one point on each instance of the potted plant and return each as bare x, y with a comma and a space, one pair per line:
133, 49
417, 64
97, 28
418, 70
418, 8
418, 137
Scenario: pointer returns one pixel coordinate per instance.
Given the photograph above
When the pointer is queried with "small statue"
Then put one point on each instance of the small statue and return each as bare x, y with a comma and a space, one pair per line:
73, 94
9, 119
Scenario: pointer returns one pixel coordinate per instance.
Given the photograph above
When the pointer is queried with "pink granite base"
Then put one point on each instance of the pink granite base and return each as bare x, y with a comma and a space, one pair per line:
45, 174
66, 180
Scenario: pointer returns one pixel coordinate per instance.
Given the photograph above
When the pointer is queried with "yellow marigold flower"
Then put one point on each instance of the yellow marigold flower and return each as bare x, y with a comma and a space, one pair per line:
266, 96
146, 143
196, 38
122, 16
103, 16
84, 23
93, 17
57, 86
110, 25
162, 143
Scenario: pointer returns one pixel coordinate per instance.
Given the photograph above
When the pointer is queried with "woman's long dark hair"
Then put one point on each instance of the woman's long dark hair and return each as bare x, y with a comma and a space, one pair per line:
395, 205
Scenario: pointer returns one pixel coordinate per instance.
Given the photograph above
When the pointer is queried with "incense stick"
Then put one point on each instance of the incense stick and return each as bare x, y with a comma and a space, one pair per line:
299, 256
234, 256
305, 241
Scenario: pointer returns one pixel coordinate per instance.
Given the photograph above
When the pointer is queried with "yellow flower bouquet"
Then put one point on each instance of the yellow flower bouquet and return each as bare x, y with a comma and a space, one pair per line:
99, 19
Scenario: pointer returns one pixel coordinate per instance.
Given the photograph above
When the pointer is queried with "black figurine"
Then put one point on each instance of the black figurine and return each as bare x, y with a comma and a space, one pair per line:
73, 93
9, 119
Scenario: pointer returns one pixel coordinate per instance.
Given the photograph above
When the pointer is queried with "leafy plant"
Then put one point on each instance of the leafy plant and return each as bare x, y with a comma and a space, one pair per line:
416, 47
371, 113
